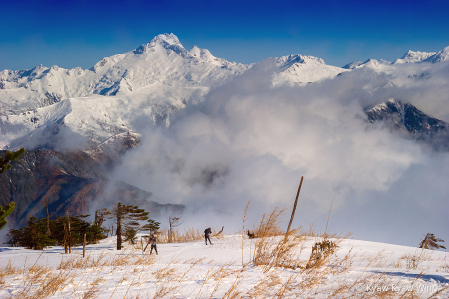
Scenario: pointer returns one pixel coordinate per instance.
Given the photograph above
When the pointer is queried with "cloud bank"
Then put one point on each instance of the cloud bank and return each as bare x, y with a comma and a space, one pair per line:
249, 140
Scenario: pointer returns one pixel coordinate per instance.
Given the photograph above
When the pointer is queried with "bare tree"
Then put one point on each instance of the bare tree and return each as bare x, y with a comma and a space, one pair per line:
174, 222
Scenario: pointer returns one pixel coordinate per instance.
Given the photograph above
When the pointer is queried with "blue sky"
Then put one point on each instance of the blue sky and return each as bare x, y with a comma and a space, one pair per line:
79, 33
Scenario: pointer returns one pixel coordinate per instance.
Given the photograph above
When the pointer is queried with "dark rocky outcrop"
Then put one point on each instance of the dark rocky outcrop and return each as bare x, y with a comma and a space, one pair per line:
411, 122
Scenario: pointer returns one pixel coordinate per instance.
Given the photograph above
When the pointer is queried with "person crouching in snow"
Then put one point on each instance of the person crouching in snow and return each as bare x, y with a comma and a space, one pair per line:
152, 242
207, 232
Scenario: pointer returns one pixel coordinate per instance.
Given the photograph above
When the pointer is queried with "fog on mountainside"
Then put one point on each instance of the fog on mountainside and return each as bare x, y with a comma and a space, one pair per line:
213, 135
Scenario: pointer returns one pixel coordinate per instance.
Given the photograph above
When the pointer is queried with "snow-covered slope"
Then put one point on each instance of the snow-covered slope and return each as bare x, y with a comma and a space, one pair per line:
95, 118
371, 63
357, 269
442, 55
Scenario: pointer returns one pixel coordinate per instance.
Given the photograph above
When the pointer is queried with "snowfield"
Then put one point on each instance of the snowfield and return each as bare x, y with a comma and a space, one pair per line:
358, 269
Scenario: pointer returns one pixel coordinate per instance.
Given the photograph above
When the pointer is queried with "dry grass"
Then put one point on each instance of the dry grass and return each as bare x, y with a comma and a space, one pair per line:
41, 282
188, 235
93, 291
8, 270
413, 259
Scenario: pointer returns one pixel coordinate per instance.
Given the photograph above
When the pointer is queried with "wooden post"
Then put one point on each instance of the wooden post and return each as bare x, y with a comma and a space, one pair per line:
69, 232
141, 244
294, 208
84, 246
48, 218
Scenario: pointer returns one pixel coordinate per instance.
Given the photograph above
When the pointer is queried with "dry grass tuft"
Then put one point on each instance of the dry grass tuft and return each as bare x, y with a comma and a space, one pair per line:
270, 249
321, 252
413, 259
189, 235
8, 270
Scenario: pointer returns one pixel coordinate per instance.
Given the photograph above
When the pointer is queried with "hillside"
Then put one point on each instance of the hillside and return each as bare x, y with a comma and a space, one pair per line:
358, 269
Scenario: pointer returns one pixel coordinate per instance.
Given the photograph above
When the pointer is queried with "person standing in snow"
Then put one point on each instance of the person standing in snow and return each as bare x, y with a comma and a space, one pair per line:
152, 242
207, 232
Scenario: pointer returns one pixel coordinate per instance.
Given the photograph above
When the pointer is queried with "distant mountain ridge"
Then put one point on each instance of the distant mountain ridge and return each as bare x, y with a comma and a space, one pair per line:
405, 117
409, 57
165, 63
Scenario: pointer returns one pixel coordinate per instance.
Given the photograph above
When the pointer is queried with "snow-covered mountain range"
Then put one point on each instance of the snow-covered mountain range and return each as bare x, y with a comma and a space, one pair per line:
142, 87
409, 57
122, 92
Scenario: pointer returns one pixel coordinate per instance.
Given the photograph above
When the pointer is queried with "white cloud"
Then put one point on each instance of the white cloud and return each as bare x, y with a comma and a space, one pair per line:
250, 141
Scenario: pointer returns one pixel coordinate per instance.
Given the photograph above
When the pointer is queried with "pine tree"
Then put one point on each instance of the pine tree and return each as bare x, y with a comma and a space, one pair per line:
5, 212
129, 235
9, 157
430, 242
152, 226
4, 166
97, 229
127, 219
35, 236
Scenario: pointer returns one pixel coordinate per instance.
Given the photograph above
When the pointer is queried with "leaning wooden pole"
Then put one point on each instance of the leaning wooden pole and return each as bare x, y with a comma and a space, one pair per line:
69, 232
294, 208
48, 218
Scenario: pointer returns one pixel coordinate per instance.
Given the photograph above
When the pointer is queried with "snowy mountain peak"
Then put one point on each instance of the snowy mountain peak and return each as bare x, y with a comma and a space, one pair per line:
371, 63
352, 65
167, 41
166, 38
374, 62
195, 51
442, 55
301, 69
201, 53
288, 61
413, 57
404, 116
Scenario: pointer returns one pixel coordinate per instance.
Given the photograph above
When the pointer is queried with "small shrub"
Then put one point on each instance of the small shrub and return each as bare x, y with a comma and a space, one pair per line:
320, 252
129, 235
